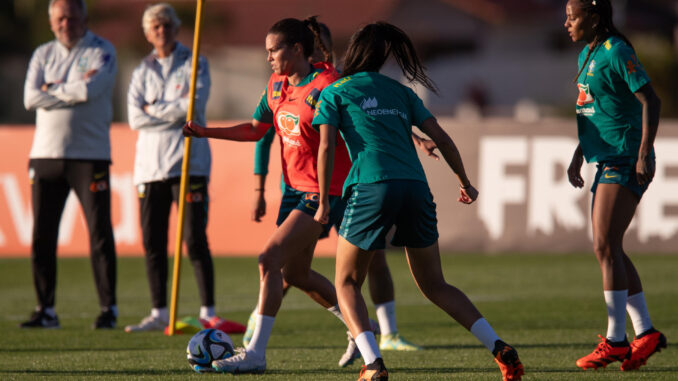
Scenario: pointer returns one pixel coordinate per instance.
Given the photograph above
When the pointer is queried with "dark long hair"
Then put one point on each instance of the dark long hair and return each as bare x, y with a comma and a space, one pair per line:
371, 45
305, 32
604, 29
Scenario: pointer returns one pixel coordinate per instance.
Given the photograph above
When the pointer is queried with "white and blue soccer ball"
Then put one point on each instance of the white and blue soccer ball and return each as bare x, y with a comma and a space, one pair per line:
206, 346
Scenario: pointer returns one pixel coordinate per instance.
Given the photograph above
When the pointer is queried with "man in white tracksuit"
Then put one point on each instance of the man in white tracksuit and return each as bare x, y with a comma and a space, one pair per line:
69, 84
157, 104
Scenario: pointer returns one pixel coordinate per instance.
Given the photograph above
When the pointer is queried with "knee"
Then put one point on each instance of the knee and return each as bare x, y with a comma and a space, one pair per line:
269, 261
602, 249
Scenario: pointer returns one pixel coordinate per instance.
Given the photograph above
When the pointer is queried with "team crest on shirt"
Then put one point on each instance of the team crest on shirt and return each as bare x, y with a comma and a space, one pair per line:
312, 98
82, 64
277, 87
288, 123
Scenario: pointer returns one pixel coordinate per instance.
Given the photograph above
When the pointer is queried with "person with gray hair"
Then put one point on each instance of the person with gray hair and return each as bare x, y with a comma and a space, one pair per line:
69, 84
157, 103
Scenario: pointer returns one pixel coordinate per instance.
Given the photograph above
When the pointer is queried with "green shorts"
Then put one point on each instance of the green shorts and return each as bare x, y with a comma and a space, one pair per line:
307, 202
372, 209
622, 172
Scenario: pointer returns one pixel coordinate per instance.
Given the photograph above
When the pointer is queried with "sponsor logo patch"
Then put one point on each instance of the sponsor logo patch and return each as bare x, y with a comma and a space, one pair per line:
312, 98
277, 87
288, 123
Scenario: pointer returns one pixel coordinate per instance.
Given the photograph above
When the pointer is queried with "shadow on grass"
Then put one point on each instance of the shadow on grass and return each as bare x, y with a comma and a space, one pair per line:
128, 372
71, 349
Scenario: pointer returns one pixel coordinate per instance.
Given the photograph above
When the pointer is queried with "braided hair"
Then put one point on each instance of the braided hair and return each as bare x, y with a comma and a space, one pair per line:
604, 29
371, 45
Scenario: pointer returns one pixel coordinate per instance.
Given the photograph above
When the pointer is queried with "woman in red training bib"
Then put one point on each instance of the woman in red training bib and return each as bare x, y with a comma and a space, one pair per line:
288, 105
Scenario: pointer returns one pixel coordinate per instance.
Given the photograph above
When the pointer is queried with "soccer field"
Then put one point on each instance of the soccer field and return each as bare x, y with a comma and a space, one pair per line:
550, 307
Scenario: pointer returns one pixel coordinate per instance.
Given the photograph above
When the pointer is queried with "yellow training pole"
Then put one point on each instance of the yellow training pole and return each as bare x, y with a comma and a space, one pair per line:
184, 173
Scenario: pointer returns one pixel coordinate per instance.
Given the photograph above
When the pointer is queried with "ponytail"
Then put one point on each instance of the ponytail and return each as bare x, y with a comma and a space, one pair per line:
318, 30
370, 46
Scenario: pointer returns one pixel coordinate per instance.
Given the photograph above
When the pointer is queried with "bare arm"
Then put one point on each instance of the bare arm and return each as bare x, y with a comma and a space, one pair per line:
650, 119
328, 142
428, 146
246, 132
449, 150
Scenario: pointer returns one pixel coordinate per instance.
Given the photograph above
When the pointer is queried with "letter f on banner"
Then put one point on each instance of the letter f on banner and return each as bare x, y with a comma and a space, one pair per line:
499, 188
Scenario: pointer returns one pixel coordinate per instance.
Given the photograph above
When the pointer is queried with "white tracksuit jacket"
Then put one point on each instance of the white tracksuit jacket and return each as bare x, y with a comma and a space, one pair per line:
74, 115
160, 145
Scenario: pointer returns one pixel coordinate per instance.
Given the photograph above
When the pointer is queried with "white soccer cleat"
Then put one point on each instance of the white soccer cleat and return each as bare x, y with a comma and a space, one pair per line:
240, 363
149, 323
352, 352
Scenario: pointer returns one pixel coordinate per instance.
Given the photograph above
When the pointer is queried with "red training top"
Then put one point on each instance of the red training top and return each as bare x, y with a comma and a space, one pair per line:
293, 108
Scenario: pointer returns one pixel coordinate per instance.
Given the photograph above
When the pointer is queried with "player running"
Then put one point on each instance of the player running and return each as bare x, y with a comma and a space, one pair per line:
617, 120
387, 186
288, 104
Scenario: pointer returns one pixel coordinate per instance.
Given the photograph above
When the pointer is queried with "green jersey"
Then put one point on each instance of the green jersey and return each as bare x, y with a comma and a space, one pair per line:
608, 113
375, 115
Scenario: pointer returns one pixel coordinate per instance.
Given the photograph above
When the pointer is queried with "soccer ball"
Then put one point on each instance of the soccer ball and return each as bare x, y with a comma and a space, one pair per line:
208, 345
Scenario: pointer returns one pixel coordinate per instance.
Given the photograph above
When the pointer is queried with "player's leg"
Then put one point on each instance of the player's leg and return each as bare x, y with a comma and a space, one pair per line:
296, 233
427, 271
383, 297
49, 191
90, 179
155, 202
613, 209
351, 269
298, 273
417, 230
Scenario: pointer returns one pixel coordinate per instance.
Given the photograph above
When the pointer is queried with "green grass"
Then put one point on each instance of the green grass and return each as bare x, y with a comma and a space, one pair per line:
549, 306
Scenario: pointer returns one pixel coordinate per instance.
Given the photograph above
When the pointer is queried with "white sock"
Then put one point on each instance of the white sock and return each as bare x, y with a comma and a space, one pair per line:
367, 344
336, 312
262, 332
207, 312
49, 311
637, 310
616, 314
482, 330
386, 317
161, 313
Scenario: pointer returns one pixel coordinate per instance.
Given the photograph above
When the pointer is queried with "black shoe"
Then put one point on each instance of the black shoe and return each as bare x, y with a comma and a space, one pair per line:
40, 319
375, 371
105, 320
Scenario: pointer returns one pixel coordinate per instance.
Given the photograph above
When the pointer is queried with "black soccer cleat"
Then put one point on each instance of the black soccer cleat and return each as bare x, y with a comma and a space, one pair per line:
40, 319
105, 320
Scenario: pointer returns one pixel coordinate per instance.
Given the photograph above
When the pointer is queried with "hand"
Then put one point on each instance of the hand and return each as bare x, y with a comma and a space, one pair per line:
146, 108
428, 146
574, 170
45, 87
91, 73
259, 207
193, 129
645, 169
468, 194
322, 215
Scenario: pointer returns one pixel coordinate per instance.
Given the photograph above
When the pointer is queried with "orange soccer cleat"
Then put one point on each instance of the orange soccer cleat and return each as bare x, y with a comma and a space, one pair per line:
509, 363
375, 371
642, 347
605, 353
